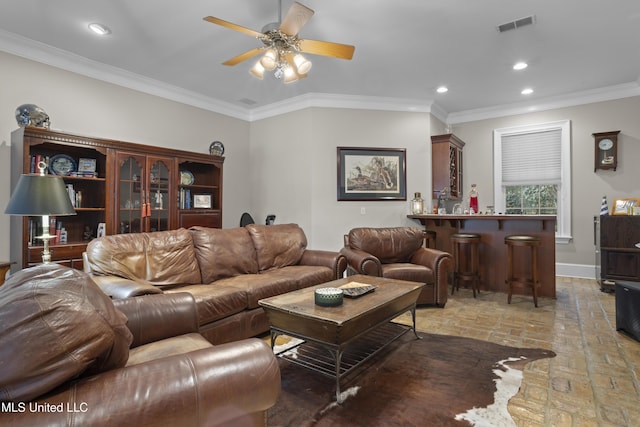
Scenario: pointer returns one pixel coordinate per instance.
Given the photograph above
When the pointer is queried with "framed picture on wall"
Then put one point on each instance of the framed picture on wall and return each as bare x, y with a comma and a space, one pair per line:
372, 173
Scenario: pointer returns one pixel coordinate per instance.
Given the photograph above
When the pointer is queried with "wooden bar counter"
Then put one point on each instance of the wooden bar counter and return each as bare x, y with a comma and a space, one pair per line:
493, 251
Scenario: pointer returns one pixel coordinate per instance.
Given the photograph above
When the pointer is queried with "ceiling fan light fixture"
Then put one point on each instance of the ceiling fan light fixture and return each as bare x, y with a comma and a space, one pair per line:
269, 60
290, 74
302, 64
257, 70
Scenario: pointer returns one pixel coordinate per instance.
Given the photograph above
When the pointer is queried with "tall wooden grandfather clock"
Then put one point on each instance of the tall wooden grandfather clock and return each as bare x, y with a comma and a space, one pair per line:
606, 150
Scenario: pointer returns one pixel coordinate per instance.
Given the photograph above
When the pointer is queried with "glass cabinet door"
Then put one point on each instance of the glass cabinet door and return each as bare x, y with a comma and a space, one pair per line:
131, 194
158, 214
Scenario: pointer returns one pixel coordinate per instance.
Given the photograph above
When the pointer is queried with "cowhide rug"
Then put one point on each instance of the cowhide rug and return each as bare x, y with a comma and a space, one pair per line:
436, 381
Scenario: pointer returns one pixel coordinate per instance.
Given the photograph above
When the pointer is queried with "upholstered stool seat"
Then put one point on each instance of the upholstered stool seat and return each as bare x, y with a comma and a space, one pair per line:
466, 261
529, 268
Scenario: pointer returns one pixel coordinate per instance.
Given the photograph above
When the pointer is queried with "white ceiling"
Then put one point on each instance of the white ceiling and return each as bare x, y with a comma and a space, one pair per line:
405, 49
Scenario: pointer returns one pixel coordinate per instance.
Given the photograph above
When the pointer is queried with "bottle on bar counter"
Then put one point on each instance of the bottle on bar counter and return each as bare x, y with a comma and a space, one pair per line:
473, 200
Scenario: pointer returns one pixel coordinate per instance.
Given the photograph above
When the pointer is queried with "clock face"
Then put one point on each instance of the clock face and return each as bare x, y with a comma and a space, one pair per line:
605, 144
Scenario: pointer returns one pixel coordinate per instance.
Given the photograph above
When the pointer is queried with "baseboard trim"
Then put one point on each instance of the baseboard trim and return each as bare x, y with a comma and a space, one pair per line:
584, 271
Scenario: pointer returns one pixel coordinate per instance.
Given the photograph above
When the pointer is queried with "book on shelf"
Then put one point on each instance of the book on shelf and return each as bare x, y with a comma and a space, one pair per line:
184, 201
35, 161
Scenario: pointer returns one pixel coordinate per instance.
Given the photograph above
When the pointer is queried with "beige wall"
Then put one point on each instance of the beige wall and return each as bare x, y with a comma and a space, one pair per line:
86, 106
294, 158
587, 187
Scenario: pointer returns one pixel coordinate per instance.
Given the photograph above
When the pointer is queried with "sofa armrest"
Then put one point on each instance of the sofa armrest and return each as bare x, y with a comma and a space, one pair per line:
207, 387
362, 262
440, 263
119, 287
428, 257
334, 260
155, 317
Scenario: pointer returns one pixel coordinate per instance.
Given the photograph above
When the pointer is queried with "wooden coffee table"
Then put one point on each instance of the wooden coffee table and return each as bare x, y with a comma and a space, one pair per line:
336, 340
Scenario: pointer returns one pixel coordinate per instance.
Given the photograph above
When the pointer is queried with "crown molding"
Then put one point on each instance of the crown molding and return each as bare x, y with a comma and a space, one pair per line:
49, 55
624, 90
328, 100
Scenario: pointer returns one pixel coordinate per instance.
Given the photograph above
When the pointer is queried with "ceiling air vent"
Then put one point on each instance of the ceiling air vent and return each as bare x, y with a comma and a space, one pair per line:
247, 101
522, 22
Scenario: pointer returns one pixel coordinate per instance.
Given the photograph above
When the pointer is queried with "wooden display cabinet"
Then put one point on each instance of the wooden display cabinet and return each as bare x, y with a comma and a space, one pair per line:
136, 189
619, 255
87, 193
446, 165
144, 190
199, 193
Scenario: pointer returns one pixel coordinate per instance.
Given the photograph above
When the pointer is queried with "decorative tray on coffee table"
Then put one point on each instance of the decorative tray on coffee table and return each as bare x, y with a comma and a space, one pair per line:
356, 289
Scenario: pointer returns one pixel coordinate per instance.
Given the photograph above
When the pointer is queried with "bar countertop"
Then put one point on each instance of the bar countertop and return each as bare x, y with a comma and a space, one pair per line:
475, 217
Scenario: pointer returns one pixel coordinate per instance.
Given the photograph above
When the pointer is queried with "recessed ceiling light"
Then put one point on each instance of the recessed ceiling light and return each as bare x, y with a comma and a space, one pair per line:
99, 29
520, 66
442, 89
527, 91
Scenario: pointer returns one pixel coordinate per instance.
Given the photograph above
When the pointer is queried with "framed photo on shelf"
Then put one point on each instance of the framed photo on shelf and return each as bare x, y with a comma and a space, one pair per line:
202, 201
371, 173
625, 206
86, 165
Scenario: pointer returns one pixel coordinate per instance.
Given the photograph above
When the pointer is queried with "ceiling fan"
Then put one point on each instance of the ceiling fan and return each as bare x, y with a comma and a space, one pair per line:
282, 47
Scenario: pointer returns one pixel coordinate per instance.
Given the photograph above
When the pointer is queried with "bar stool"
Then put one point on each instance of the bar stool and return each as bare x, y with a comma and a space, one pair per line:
465, 253
530, 280
429, 237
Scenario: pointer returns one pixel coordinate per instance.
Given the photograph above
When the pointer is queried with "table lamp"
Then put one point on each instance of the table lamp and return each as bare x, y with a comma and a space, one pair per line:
40, 195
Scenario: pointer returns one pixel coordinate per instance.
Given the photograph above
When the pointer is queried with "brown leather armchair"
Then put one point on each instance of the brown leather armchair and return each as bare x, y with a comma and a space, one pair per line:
71, 356
398, 253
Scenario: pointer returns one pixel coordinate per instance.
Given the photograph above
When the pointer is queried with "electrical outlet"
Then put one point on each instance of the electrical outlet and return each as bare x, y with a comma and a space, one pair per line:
363, 211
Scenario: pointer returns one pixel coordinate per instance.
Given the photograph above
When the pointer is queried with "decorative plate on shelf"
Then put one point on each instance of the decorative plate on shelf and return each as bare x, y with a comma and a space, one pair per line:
186, 178
62, 164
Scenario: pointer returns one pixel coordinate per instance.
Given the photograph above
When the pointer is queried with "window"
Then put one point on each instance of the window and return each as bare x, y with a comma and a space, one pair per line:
532, 172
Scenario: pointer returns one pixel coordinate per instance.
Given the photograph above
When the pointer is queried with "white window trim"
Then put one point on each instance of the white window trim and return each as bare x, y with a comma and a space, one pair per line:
563, 234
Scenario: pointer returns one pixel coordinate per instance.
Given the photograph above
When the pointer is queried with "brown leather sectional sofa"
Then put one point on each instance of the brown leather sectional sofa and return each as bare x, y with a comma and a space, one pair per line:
226, 270
71, 356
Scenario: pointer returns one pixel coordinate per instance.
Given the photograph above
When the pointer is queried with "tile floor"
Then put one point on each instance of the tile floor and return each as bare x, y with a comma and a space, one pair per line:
595, 378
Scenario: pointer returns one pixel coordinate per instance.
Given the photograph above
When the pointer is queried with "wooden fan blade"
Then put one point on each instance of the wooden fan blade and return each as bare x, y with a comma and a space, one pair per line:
336, 50
243, 56
233, 26
297, 16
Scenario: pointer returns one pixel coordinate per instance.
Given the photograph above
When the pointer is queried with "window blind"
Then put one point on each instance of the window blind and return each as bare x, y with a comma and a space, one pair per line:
532, 158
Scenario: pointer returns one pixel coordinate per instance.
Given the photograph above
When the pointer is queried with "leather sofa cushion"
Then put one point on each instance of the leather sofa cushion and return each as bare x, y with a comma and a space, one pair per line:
408, 271
163, 258
180, 344
215, 302
55, 325
305, 275
223, 252
278, 245
389, 245
259, 286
